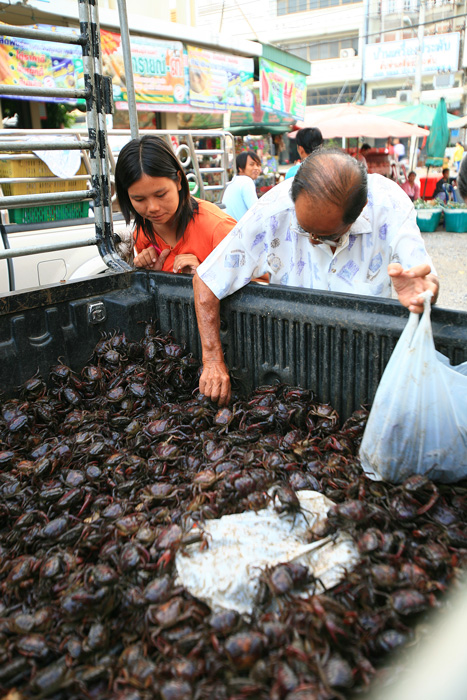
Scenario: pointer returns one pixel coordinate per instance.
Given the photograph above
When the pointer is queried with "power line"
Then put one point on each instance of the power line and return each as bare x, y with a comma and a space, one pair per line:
341, 27
378, 33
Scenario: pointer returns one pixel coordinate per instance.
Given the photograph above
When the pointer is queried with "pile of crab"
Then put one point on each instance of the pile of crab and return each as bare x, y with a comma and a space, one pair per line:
107, 473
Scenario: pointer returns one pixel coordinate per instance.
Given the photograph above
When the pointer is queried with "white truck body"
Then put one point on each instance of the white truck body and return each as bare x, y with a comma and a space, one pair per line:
208, 171
54, 267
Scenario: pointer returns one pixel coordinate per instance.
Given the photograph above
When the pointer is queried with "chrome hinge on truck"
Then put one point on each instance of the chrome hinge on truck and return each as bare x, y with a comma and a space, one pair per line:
97, 94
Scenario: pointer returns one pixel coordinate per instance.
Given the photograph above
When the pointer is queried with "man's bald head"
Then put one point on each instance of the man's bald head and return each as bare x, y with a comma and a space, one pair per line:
333, 177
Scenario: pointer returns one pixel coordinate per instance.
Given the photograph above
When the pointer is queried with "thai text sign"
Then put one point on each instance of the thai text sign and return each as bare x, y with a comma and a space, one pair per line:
392, 59
158, 70
282, 90
37, 63
220, 81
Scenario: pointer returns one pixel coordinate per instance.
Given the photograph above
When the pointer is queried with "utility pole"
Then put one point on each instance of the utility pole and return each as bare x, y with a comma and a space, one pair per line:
417, 92
419, 67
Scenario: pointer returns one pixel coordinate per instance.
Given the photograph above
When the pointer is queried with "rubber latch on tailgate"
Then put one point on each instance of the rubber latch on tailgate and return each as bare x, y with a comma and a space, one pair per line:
96, 312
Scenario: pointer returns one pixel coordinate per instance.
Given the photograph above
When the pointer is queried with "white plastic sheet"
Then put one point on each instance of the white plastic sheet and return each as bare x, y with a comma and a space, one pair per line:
225, 575
64, 163
418, 421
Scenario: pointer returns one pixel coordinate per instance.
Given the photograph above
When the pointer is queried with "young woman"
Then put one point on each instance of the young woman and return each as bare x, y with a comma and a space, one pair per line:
173, 231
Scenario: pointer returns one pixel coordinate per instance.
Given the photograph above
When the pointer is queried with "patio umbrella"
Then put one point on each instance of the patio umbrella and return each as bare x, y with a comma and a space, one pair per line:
438, 138
352, 124
457, 122
314, 115
420, 114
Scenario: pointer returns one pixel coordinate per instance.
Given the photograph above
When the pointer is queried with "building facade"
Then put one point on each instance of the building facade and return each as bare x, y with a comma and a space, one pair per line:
375, 52
169, 22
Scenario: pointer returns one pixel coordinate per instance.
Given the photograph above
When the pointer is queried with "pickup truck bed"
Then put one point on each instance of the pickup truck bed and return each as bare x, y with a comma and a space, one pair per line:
336, 344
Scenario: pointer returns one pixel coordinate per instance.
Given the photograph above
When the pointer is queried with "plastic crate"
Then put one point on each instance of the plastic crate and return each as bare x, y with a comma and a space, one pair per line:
52, 212
428, 219
455, 220
35, 167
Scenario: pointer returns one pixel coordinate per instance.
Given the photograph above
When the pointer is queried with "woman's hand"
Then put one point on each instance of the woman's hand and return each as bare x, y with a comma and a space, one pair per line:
186, 262
150, 259
409, 284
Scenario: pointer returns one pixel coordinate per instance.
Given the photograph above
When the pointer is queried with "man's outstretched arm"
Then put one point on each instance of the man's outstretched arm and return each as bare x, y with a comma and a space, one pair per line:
215, 380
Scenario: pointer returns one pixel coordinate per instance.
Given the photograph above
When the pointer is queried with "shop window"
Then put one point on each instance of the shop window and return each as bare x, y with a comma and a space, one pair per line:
330, 95
301, 52
334, 47
287, 7
384, 92
321, 50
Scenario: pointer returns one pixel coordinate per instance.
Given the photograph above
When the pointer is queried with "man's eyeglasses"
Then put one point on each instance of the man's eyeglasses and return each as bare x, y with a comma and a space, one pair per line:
317, 238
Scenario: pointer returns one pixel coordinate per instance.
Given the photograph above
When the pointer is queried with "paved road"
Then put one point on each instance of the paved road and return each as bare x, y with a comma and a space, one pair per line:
449, 254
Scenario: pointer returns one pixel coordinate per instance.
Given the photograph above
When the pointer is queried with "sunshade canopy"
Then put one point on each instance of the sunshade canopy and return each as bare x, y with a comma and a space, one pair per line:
259, 129
420, 114
352, 121
438, 138
458, 123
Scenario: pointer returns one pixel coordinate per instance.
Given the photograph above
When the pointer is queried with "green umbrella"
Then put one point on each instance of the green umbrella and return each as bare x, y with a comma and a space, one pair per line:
438, 138
258, 128
420, 114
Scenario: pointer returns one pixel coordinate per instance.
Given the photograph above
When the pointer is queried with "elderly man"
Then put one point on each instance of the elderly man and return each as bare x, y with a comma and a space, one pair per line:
334, 227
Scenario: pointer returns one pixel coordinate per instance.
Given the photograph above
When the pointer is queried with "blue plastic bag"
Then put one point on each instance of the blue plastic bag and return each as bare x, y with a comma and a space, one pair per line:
418, 421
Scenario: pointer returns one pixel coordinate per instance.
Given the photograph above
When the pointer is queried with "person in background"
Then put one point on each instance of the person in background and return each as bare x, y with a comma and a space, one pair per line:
390, 147
173, 231
307, 141
410, 187
280, 149
443, 188
462, 179
240, 193
362, 154
332, 227
458, 155
399, 150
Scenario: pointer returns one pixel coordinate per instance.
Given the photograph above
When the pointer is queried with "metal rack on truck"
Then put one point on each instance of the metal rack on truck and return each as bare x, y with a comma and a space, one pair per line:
29, 193
42, 244
97, 94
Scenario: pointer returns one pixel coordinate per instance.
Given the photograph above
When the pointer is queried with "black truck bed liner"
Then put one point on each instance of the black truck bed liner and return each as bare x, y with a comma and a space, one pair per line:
336, 344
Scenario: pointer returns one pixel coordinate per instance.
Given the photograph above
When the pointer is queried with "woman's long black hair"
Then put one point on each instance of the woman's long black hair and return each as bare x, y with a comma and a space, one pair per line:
151, 155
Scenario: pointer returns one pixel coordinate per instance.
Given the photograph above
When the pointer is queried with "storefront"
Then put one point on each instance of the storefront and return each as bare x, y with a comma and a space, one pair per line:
279, 94
164, 59
176, 83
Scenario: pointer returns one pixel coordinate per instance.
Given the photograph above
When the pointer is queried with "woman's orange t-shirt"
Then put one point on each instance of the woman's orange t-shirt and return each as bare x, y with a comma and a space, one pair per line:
205, 231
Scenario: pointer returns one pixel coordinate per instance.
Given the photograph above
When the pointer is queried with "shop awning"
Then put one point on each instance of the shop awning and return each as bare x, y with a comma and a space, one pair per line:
285, 59
256, 129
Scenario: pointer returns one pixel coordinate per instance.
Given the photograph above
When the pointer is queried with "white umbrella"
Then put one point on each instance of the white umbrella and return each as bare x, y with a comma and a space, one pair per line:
349, 121
459, 123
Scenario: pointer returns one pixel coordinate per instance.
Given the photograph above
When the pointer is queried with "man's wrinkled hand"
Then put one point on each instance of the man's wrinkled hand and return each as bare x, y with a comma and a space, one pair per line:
410, 284
215, 382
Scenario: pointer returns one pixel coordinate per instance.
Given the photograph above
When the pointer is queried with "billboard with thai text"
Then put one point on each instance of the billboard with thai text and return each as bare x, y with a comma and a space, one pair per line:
392, 59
